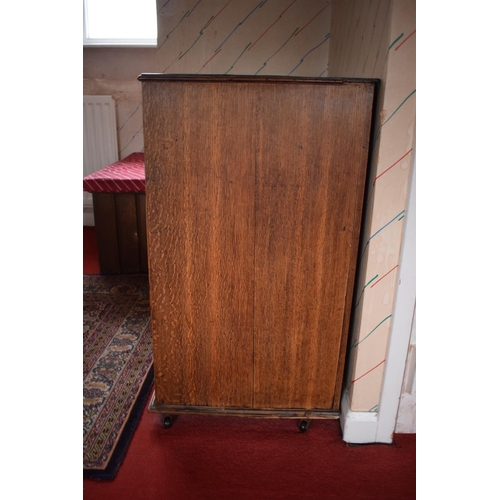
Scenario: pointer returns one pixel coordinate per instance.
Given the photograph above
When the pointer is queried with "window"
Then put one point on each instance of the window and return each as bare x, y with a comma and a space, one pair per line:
119, 23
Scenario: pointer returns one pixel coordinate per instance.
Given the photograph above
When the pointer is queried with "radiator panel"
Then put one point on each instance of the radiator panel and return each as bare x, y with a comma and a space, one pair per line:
100, 144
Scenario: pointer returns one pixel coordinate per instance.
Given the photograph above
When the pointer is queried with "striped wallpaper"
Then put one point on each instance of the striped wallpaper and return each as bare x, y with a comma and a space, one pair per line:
266, 37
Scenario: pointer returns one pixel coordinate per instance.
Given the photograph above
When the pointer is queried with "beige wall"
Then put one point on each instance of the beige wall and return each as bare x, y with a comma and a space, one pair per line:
377, 39
114, 71
344, 38
360, 38
266, 37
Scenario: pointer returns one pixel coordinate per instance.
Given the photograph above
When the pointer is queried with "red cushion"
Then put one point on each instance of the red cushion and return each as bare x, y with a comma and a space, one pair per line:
124, 176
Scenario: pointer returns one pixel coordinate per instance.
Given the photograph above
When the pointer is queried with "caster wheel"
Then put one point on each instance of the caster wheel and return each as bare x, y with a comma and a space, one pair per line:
168, 422
304, 425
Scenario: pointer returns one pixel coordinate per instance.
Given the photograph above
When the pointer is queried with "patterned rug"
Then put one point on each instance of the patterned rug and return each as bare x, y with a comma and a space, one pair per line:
117, 368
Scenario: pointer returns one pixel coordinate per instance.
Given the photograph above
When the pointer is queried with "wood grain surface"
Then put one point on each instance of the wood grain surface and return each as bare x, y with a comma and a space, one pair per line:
200, 181
120, 222
106, 232
126, 218
312, 156
140, 200
254, 194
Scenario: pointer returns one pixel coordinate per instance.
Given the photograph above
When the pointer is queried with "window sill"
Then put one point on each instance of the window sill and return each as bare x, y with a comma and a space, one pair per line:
119, 43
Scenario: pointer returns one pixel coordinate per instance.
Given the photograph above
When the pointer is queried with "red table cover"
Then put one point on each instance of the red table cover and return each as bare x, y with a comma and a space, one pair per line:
124, 176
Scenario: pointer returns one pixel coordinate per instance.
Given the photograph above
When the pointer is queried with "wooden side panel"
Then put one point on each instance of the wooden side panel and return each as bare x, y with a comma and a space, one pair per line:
106, 232
200, 181
312, 159
128, 239
140, 200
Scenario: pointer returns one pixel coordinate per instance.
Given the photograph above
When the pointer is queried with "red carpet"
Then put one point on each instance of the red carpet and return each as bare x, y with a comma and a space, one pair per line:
231, 458
90, 257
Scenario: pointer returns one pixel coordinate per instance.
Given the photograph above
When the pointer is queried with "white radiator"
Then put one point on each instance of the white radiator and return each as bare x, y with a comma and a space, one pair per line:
100, 145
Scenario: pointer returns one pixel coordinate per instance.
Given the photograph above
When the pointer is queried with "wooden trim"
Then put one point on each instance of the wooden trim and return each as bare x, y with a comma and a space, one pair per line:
242, 412
252, 79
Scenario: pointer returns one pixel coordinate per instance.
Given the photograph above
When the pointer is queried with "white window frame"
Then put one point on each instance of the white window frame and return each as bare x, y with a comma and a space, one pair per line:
113, 42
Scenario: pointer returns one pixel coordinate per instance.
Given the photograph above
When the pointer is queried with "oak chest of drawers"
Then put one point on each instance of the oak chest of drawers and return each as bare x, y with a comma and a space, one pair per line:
254, 197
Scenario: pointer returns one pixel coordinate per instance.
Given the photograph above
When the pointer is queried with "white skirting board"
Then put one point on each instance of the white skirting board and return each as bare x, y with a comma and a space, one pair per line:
379, 427
358, 427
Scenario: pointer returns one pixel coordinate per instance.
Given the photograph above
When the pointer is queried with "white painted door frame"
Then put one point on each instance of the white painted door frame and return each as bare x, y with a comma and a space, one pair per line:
407, 417
379, 427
